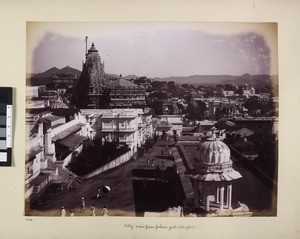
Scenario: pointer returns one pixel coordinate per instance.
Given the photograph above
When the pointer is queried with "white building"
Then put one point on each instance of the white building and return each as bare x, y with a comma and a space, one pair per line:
169, 124
248, 91
32, 92
127, 126
51, 143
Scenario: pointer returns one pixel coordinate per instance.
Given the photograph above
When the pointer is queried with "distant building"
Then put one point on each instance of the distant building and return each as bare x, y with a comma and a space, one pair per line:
125, 94
32, 92
243, 132
248, 91
126, 126
227, 93
66, 80
205, 126
215, 105
48, 94
168, 124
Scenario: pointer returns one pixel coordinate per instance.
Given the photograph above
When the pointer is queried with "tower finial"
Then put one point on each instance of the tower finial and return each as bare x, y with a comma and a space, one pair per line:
86, 40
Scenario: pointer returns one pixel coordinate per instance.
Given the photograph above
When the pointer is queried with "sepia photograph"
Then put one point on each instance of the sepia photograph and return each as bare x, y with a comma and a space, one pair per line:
151, 119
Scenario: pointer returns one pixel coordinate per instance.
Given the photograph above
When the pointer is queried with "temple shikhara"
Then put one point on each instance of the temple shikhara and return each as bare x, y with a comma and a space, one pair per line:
92, 82
96, 91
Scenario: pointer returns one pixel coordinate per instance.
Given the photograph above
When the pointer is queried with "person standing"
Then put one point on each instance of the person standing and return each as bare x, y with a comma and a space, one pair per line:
93, 210
98, 193
63, 211
104, 211
82, 207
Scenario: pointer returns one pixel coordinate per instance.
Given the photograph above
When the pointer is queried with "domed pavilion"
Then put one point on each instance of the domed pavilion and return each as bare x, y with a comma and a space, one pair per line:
212, 174
58, 104
229, 110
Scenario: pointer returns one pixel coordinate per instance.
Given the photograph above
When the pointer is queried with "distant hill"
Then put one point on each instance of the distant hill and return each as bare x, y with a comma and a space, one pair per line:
71, 70
47, 73
253, 80
130, 77
196, 79
45, 77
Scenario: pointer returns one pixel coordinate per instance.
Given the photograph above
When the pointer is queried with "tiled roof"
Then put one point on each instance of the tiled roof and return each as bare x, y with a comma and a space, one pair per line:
34, 151
67, 132
72, 141
122, 83
243, 132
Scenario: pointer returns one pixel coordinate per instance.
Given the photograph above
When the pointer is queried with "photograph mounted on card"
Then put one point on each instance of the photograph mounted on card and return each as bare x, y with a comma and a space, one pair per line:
151, 119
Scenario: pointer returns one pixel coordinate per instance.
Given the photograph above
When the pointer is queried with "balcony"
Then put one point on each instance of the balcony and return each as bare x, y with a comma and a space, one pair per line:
110, 128
127, 141
127, 129
119, 129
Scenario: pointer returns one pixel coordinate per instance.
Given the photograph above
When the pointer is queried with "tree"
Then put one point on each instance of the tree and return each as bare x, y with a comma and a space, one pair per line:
196, 109
209, 92
157, 106
171, 86
253, 105
158, 85
192, 87
158, 95
202, 106
186, 86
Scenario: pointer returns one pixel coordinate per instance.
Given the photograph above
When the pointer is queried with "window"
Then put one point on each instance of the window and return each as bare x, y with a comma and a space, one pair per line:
122, 137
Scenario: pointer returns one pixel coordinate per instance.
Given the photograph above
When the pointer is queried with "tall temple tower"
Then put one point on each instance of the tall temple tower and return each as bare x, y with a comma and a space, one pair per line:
92, 83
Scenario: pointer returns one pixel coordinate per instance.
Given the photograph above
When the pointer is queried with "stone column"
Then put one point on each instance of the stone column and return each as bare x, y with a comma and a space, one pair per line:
221, 205
218, 195
48, 143
196, 192
229, 195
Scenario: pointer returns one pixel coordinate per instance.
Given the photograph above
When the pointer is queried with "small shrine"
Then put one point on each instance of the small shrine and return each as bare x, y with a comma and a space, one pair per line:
212, 174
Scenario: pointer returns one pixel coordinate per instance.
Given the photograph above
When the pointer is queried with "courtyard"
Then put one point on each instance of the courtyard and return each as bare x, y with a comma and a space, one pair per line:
148, 183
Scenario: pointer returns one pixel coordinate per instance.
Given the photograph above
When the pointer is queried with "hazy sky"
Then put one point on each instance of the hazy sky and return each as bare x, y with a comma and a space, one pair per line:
156, 49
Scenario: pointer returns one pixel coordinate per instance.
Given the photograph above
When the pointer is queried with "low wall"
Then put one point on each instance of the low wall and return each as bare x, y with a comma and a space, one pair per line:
112, 164
68, 159
266, 179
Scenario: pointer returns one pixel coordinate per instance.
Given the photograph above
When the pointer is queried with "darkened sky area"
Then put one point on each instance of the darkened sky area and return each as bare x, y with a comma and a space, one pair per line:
157, 52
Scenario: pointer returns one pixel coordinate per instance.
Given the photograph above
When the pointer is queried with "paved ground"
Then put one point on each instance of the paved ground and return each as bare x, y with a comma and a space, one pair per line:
123, 196
121, 199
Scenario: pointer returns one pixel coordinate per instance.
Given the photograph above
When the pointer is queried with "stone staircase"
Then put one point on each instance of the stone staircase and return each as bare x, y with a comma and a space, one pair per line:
55, 173
66, 177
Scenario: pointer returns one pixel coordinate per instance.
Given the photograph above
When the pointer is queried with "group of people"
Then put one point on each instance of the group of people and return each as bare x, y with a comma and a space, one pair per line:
103, 213
152, 163
82, 209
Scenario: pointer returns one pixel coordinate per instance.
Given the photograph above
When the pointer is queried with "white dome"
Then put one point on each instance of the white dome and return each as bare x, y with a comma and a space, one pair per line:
213, 152
58, 104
